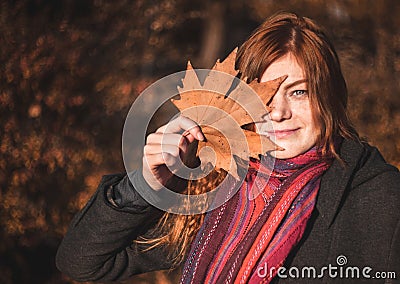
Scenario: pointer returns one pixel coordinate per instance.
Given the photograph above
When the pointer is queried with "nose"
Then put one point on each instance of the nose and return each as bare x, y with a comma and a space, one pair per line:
280, 108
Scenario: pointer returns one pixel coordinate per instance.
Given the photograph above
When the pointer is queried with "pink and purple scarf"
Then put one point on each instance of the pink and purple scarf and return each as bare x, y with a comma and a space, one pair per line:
246, 233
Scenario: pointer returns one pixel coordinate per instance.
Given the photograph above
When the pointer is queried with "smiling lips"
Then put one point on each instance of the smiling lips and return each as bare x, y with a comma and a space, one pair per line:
279, 134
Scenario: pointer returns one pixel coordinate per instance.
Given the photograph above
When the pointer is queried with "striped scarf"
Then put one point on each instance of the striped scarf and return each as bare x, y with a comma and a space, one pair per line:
260, 224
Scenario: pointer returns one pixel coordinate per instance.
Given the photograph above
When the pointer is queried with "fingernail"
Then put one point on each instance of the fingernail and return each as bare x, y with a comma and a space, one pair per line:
200, 136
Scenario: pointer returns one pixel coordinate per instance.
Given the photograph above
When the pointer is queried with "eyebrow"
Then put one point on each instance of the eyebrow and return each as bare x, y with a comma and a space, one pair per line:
295, 83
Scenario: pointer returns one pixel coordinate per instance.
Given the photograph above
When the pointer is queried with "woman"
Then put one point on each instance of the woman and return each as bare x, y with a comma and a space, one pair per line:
328, 198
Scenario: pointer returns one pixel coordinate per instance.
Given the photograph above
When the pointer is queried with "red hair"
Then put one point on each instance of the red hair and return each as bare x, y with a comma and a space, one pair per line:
286, 33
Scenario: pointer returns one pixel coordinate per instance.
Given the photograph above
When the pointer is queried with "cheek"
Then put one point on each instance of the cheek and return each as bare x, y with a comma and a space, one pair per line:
316, 121
311, 117
304, 113
314, 129
310, 120
315, 116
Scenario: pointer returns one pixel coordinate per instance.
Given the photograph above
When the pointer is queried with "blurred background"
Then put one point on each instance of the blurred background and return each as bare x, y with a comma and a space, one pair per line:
71, 69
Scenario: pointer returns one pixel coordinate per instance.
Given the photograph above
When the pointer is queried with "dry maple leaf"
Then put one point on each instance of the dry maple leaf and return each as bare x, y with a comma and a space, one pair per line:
221, 110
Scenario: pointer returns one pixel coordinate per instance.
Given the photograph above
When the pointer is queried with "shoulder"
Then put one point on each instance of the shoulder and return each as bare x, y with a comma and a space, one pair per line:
359, 202
372, 180
364, 184
363, 163
367, 165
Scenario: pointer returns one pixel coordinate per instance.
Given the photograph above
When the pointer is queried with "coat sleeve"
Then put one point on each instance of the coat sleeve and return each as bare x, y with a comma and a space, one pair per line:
99, 243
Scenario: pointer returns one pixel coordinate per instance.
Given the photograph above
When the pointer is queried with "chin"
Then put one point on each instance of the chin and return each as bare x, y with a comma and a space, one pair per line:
287, 154
282, 154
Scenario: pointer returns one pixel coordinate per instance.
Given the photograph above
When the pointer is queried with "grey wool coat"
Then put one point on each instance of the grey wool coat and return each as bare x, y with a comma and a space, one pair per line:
353, 235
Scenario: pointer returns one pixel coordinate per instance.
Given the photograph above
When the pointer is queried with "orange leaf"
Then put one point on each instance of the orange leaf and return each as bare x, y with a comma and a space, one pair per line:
221, 107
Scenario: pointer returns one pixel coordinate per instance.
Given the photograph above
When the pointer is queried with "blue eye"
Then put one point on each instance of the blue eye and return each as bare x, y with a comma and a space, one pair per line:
299, 93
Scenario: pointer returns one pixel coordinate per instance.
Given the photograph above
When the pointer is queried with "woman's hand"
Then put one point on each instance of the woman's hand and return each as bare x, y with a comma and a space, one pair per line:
166, 148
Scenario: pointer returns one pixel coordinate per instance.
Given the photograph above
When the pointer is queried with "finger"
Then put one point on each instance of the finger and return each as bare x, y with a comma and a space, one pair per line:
190, 129
168, 139
159, 159
153, 149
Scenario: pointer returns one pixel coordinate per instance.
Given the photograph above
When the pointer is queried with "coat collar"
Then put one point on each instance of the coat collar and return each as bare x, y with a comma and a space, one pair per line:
337, 179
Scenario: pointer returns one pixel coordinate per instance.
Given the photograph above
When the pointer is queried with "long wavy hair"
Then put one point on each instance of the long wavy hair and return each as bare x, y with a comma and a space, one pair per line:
281, 34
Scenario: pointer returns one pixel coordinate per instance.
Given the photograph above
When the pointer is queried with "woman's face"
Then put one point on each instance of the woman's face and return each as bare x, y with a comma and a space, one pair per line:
292, 125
